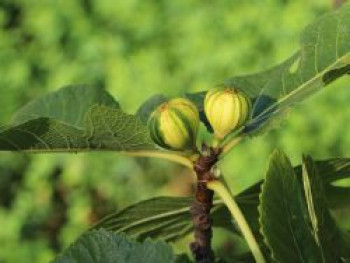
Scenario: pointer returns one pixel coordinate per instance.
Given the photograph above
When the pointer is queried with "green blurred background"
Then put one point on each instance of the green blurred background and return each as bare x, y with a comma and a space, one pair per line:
137, 48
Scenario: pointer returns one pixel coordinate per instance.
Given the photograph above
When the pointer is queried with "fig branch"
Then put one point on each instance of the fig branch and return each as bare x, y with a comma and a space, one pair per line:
200, 208
207, 185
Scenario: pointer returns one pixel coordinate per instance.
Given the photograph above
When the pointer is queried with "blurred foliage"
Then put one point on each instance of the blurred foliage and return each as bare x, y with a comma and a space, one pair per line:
136, 49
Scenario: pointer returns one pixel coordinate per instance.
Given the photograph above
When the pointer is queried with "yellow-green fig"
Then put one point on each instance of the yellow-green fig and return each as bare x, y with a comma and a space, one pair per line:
227, 109
174, 124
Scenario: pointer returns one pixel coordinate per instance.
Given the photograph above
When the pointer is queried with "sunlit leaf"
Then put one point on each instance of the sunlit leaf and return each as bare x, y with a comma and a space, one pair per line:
67, 105
323, 57
73, 119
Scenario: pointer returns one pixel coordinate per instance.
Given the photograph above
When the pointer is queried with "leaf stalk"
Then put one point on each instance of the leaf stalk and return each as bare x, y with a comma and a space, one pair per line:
174, 157
219, 188
229, 145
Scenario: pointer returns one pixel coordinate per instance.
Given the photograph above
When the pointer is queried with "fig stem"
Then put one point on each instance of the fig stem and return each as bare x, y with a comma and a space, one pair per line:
229, 145
171, 156
219, 188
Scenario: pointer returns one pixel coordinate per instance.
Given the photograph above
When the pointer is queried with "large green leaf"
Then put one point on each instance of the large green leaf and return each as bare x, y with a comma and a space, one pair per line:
101, 246
165, 218
323, 57
68, 105
105, 128
295, 220
75, 119
113, 129
283, 219
329, 239
169, 218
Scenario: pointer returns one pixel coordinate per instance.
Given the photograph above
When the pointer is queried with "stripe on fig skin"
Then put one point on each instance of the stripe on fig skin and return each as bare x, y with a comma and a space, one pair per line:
189, 128
174, 132
155, 132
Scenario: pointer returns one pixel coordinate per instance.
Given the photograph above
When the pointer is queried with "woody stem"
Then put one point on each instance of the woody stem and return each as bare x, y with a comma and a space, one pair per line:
200, 209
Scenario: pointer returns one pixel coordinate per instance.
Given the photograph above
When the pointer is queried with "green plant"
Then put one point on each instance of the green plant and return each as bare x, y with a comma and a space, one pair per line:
86, 118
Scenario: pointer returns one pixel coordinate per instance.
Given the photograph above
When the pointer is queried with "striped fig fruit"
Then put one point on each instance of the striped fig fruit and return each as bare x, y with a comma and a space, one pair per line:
227, 110
174, 124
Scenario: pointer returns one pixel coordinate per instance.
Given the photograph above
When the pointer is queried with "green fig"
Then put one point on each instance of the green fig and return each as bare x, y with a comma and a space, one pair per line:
226, 109
174, 124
